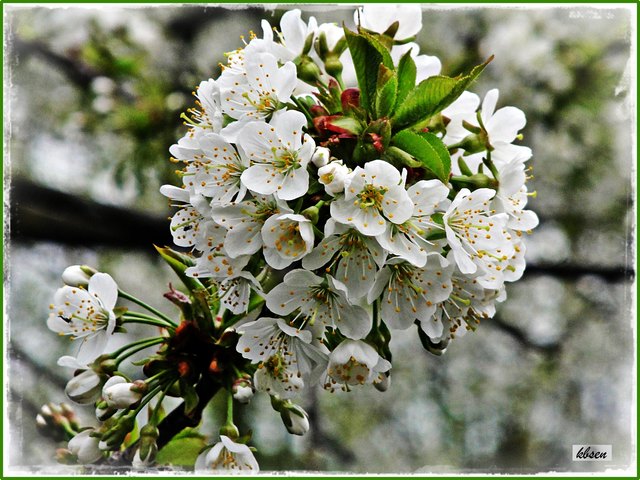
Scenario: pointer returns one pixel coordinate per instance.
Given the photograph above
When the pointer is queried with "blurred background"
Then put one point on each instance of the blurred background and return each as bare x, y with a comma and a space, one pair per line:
93, 98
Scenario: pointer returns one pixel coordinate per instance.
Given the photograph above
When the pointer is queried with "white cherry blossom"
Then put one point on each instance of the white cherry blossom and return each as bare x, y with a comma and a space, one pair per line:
226, 455
333, 176
284, 354
287, 238
319, 300
355, 257
235, 291
378, 18
258, 91
478, 238
244, 222
408, 293
354, 362
408, 240
86, 314
278, 153
374, 195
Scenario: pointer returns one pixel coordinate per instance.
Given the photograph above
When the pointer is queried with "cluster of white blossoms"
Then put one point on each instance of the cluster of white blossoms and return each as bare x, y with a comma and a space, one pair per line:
335, 188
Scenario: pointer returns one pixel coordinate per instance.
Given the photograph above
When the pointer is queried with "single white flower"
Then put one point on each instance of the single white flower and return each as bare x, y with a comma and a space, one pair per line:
85, 447
478, 239
207, 116
258, 91
512, 196
354, 362
408, 293
214, 262
374, 195
118, 393
187, 222
321, 156
244, 222
355, 257
294, 31
213, 167
278, 154
320, 300
284, 354
378, 18
467, 305
286, 238
226, 455
86, 314
333, 176
235, 291
409, 239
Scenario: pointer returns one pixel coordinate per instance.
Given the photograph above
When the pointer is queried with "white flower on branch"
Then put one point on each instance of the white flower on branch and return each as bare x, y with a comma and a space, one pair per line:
85, 447
285, 355
278, 153
226, 455
408, 293
86, 314
374, 195
320, 300
354, 362
286, 238
355, 257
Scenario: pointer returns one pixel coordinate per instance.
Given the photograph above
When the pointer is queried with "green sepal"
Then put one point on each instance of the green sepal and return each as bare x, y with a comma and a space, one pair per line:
428, 150
179, 264
433, 95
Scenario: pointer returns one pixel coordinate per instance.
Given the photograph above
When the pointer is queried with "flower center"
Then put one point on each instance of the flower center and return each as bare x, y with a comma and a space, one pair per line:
372, 196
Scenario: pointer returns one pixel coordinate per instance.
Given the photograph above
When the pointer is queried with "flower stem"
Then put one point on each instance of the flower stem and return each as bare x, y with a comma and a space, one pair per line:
138, 346
136, 317
146, 307
123, 349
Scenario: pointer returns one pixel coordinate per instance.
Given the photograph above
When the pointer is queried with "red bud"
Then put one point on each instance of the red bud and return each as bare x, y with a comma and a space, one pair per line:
350, 98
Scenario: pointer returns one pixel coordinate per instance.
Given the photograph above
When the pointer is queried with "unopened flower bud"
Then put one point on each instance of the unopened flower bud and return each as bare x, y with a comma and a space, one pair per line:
308, 70
148, 449
295, 419
332, 176
85, 387
119, 393
85, 447
77, 275
243, 390
321, 157
333, 65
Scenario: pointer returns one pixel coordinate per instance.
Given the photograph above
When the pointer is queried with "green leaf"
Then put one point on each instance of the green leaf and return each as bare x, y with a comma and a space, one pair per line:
179, 263
349, 124
386, 92
182, 450
433, 95
406, 77
368, 54
427, 149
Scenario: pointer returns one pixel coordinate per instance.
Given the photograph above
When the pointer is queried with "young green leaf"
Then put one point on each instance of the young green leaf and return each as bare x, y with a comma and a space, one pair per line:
386, 91
406, 77
368, 54
433, 95
427, 149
